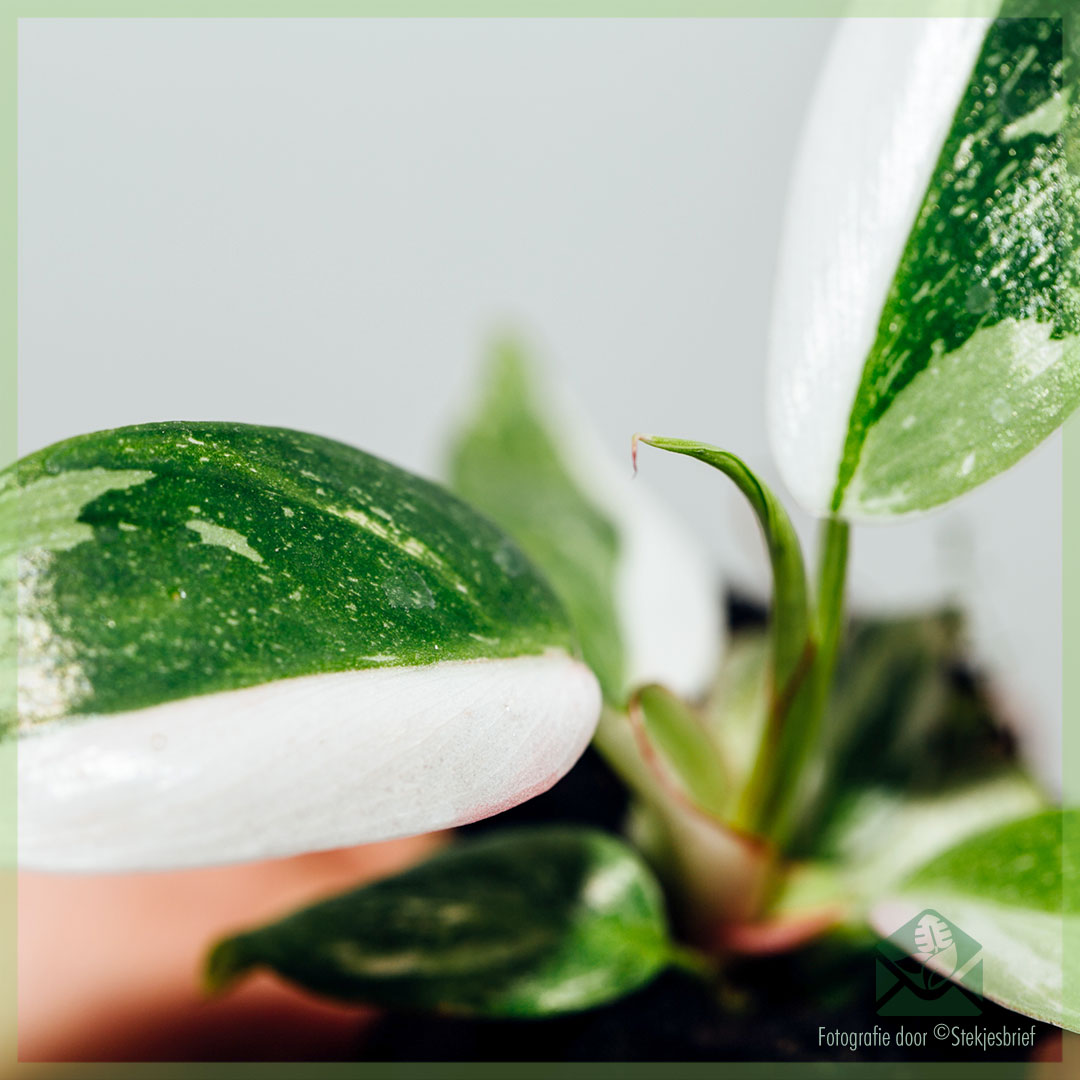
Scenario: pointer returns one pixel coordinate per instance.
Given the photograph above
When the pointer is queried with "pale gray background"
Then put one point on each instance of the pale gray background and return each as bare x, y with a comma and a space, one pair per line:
320, 223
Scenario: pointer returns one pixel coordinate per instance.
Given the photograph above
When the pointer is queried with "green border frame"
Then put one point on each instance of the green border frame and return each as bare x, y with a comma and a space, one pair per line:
11, 11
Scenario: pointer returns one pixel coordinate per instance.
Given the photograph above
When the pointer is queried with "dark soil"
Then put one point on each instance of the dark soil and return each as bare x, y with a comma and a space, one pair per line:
780, 1017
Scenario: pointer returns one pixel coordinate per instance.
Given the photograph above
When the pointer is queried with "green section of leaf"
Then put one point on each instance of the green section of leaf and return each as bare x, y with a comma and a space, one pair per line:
168, 560
508, 463
1016, 865
524, 923
1014, 889
790, 618
680, 735
977, 353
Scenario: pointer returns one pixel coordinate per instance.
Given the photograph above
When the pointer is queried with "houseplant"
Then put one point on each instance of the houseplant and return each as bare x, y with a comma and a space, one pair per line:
141, 588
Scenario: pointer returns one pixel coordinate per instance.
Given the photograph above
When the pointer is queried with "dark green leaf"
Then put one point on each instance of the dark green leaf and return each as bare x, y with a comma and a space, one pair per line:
524, 923
168, 560
236, 642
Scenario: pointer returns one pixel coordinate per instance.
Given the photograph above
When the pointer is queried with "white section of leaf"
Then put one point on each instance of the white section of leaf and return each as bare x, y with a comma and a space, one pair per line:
1044, 119
50, 680
302, 764
46, 512
220, 536
879, 118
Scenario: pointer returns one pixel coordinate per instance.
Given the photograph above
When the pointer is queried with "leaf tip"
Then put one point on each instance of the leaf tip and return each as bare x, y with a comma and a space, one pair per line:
224, 964
638, 438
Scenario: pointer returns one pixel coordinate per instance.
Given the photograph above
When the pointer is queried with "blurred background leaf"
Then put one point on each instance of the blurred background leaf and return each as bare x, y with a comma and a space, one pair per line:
642, 592
507, 464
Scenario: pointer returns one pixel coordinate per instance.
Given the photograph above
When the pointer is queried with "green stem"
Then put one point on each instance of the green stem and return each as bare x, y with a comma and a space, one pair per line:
832, 575
805, 720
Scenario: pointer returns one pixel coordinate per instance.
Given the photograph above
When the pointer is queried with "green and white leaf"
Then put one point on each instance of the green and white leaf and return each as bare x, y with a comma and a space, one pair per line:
926, 331
237, 642
639, 589
884, 834
1014, 889
522, 923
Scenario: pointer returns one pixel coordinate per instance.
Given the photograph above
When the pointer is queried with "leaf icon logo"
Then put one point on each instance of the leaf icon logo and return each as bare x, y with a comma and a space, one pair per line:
937, 950
932, 935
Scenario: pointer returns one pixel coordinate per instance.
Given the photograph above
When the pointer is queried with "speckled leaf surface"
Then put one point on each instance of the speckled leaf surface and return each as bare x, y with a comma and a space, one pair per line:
973, 357
976, 358
523, 923
163, 561
1014, 889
